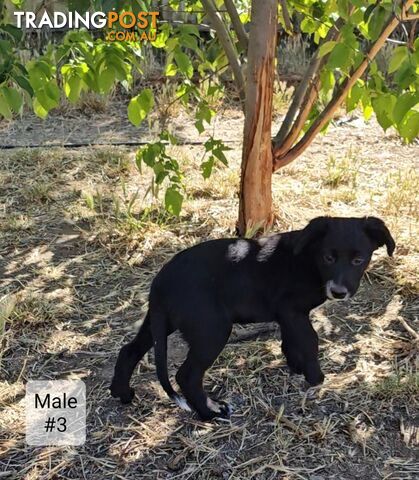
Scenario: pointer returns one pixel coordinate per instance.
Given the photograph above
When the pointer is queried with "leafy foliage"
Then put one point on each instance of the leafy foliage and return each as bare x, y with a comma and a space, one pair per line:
393, 93
82, 63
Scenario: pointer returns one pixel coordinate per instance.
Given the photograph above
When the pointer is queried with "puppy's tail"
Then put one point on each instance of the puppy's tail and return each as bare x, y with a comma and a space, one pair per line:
159, 332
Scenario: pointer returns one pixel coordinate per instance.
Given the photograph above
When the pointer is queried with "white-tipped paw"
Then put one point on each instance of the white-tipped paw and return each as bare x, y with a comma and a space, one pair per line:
182, 403
221, 408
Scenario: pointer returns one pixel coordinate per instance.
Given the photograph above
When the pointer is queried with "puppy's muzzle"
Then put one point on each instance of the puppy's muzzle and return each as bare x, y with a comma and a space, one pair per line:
335, 291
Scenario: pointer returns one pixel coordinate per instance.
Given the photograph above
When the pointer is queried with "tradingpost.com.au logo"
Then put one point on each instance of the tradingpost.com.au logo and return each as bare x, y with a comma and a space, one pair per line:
119, 25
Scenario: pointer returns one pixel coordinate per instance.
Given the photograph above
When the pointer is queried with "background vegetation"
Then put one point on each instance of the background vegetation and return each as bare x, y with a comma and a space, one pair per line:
83, 230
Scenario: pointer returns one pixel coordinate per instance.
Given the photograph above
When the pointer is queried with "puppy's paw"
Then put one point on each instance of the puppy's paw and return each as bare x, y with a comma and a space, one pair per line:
295, 369
226, 409
220, 408
314, 382
294, 361
181, 403
125, 395
313, 374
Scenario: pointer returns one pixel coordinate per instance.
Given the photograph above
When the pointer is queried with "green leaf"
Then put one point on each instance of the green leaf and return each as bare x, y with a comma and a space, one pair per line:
48, 96
349, 37
140, 106
397, 58
15, 33
207, 167
354, 97
409, 129
357, 15
171, 70
188, 41
404, 103
160, 172
184, 63
39, 109
218, 153
73, 88
5, 110
171, 44
368, 12
23, 83
368, 111
151, 153
5, 47
189, 29
120, 67
376, 22
37, 77
173, 200
45, 67
53, 92
308, 25
199, 125
405, 75
217, 149
168, 137
106, 79
162, 37
326, 48
383, 108
341, 57
13, 98
327, 80
343, 8
204, 113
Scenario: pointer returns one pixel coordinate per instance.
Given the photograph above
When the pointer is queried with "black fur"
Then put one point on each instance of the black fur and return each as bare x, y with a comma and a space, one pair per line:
203, 290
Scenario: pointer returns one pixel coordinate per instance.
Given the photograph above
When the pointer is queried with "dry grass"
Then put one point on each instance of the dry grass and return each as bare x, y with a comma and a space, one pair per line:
342, 171
293, 55
77, 257
281, 98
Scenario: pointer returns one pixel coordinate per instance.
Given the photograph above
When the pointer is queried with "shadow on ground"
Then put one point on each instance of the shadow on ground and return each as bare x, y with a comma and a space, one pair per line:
80, 277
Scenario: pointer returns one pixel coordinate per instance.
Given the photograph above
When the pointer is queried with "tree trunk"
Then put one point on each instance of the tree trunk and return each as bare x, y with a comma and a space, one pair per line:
255, 210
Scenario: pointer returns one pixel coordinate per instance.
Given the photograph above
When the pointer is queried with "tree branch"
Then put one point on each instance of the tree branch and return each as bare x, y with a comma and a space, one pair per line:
406, 16
237, 24
411, 40
339, 96
305, 96
227, 44
286, 15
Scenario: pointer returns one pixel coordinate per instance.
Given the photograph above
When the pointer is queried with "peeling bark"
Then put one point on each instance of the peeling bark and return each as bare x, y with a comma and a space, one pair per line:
255, 210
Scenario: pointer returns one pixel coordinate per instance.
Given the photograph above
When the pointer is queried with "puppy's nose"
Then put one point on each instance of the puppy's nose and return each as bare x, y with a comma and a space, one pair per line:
338, 291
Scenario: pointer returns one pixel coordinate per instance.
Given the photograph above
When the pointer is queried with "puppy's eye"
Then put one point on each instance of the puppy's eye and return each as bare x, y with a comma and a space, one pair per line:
357, 261
329, 258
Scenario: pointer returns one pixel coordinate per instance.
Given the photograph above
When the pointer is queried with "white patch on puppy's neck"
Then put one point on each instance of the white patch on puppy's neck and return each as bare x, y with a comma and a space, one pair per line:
238, 250
268, 245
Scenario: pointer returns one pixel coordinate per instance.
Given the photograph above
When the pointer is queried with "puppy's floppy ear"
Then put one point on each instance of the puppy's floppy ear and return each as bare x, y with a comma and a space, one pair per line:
379, 234
313, 231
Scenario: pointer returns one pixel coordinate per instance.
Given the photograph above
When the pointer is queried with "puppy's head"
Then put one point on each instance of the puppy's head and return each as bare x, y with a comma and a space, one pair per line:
342, 249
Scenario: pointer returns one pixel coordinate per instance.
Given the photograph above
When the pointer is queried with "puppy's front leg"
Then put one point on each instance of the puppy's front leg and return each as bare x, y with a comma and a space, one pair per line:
300, 345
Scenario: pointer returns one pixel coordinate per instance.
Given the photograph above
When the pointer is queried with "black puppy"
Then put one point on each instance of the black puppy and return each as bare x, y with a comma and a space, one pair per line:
203, 290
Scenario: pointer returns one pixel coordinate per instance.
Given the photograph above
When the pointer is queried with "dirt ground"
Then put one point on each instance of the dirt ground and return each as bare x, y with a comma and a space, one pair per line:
81, 240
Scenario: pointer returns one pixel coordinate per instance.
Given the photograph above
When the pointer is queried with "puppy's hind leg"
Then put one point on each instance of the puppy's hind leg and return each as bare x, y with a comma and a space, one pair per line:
203, 352
129, 356
160, 330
